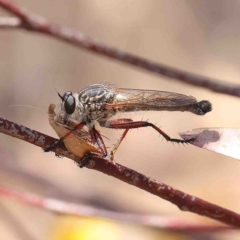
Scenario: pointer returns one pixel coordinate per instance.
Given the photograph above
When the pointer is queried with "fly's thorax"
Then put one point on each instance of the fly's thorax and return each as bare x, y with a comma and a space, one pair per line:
92, 102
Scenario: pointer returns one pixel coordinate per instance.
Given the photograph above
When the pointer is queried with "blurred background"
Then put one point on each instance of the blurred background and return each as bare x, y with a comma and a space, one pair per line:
198, 36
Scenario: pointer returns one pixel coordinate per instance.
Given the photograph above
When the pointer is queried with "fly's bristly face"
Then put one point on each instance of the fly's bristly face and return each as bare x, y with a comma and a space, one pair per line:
69, 108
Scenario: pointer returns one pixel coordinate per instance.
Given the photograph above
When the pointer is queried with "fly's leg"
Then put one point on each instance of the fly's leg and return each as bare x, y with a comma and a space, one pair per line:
118, 121
59, 141
129, 124
98, 139
113, 151
85, 160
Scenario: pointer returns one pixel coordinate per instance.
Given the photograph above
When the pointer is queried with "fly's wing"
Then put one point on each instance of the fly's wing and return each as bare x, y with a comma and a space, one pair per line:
128, 99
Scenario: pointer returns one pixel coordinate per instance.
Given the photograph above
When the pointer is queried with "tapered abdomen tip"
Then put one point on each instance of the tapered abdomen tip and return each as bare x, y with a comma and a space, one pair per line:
203, 107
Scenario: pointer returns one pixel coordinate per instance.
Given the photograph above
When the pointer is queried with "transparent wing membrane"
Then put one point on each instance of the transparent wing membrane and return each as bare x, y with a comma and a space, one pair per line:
149, 99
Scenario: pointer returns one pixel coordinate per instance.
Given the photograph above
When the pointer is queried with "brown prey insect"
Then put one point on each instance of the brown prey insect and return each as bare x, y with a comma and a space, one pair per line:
100, 102
78, 142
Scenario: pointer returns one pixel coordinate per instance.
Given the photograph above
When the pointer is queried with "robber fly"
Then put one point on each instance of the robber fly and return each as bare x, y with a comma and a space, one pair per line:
100, 102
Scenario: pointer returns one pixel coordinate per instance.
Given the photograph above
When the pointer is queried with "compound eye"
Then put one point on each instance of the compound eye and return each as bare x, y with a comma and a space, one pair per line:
65, 95
69, 103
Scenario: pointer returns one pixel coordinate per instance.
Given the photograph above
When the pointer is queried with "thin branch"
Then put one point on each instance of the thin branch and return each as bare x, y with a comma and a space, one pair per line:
9, 22
38, 24
39, 182
68, 207
183, 201
62, 207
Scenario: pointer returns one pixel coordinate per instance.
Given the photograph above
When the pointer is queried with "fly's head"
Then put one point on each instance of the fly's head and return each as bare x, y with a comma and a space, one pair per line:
89, 105
70, 108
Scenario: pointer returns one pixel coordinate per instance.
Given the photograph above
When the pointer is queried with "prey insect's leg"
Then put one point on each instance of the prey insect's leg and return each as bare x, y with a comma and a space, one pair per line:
99, 140
59, 141
120, 124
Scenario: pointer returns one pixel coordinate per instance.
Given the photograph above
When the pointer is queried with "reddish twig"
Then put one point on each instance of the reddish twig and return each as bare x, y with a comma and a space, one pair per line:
38, 24
9, 22
62, 207
68, 207
183, 201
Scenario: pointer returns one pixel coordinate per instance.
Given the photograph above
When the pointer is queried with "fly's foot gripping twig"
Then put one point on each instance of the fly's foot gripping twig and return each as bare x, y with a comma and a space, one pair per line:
53, 146
85, 160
